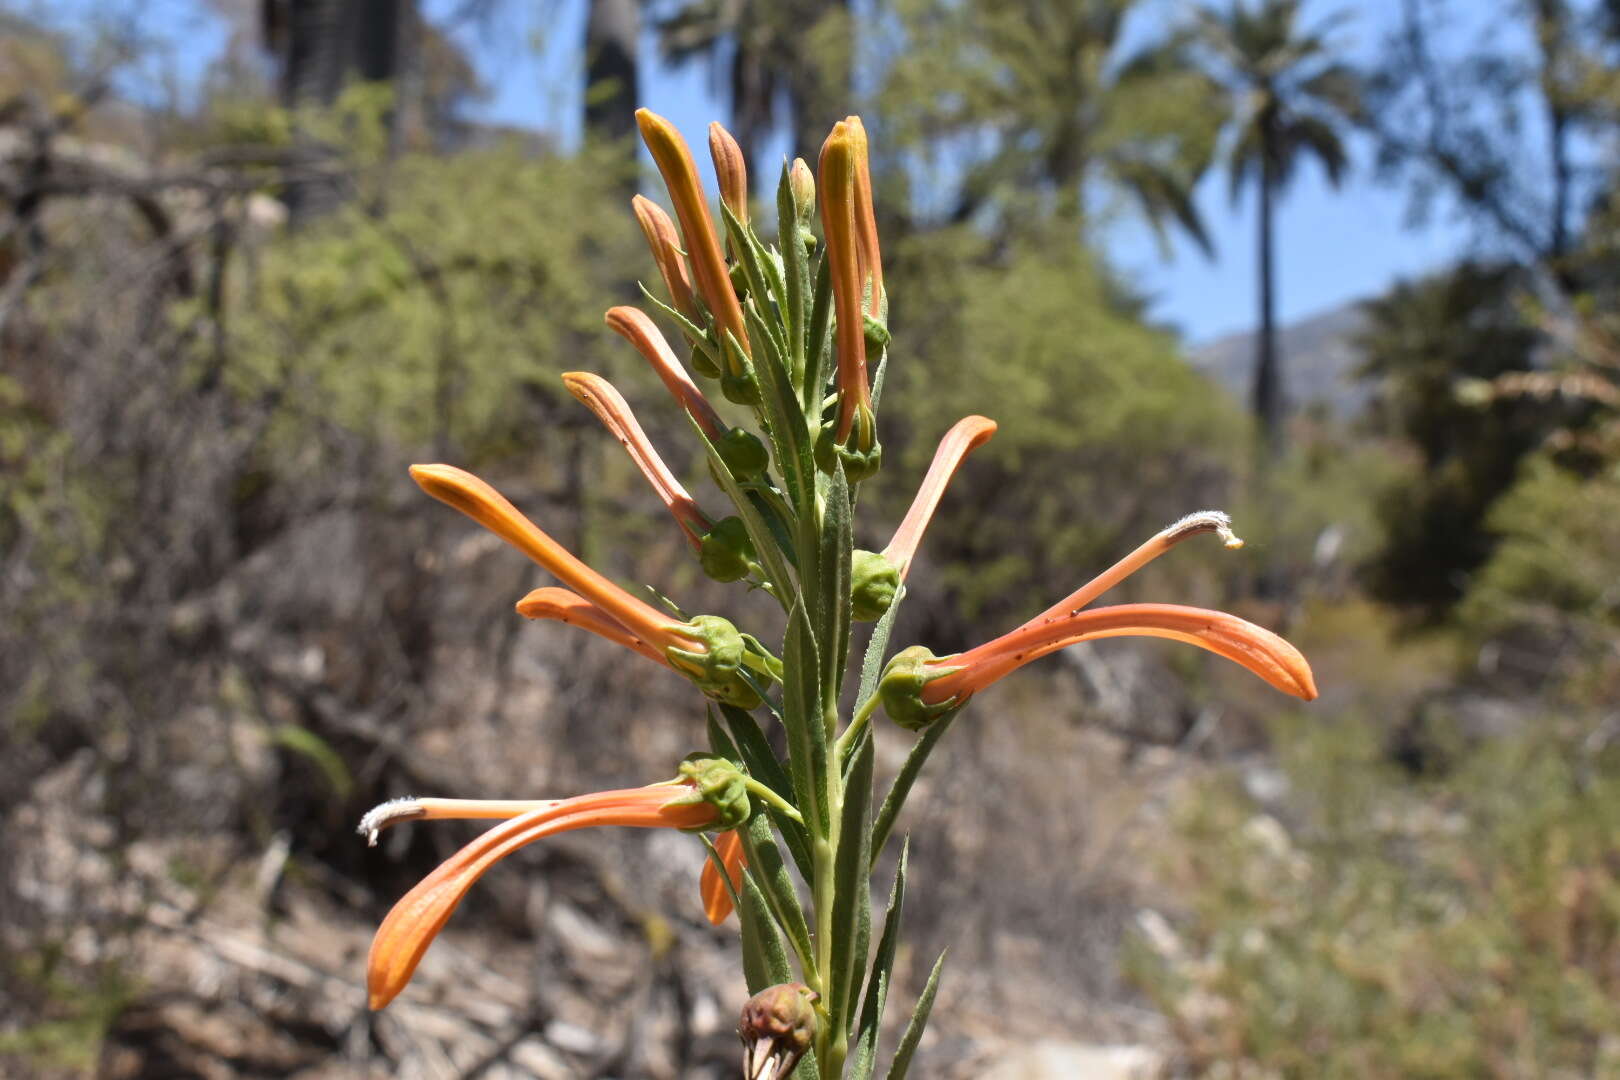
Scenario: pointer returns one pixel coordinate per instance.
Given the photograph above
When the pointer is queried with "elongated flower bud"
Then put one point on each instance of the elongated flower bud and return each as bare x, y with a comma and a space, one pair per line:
665, 244
854, 434
562, 606
599, 395
637, 328
674, 161
866, 232
802, 185
730, 169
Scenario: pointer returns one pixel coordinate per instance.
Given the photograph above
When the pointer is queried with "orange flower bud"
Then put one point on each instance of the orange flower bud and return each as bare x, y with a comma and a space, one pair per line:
731, 169
836, 188
665, 244
598, 395
674, 161
866, 233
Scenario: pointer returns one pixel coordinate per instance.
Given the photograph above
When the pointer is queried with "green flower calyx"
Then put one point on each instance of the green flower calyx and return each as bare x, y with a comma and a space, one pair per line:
726, 552
900, 689
874, 581
717, 668
720, 784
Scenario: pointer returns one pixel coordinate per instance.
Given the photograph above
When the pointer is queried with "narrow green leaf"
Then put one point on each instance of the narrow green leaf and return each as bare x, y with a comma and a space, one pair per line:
919, 1020
833, 580
852, 889
781, 895
896, 798
790, 438
816, 344
877, 645
864, 1058
695, 334
755, 752
765, 961
801, 717
764, 283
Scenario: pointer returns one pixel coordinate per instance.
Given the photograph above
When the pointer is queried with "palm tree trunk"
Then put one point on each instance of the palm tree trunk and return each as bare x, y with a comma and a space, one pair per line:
1267, 375
612, 83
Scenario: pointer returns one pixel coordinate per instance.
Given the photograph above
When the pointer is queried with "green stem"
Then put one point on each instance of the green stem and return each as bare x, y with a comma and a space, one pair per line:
831, 1045
766, 794
846, 741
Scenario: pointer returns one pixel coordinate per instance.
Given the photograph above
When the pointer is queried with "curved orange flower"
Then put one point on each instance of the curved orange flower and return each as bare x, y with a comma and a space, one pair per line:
716, 897
965, 436
665, 244
636, 327
463, 491
417, 918
1254, 647
563, 606
600, 396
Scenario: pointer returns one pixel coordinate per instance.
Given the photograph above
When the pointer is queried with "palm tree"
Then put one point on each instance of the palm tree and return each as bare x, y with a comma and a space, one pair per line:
1046, 100
792, 52
1291, 98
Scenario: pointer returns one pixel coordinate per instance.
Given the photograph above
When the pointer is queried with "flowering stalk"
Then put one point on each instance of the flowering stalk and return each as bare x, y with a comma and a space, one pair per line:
789, 477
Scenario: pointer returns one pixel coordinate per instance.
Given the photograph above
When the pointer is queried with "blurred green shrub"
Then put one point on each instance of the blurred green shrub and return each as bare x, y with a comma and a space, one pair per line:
1468, 926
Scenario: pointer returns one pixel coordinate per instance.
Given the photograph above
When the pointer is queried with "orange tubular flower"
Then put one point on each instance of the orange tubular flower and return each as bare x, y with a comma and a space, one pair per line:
634, 326
716, 897
417, 919
866, 232
665, 243
835, 185
463, 491
1258, 649
599, 396
674, 161
570, 608
965, 436
731, 170
918, 687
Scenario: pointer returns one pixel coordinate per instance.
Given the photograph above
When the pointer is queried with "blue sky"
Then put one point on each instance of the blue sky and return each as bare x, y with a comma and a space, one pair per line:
1334, 246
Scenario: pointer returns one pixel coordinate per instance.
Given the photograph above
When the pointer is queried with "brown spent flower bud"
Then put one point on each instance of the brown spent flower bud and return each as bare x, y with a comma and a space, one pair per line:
778, 1026
731, 169
665, 243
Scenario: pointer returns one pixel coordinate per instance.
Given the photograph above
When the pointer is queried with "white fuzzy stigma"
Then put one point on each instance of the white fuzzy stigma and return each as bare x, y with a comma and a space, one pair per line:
389, 813
1202, 521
